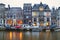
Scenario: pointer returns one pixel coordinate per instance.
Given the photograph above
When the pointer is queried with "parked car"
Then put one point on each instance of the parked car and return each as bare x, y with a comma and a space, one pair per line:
13, 27
35, 27
26, 26
18, 27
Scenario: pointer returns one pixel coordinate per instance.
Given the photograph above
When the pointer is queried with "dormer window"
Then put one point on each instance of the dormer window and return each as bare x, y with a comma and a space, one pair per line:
41, 8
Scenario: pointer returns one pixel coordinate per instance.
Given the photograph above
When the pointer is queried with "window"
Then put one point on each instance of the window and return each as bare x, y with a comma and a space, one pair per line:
27, 16
47, 19
7, 16
0, 21
34, 14
35, 19
14, 16
41, 8
11, 16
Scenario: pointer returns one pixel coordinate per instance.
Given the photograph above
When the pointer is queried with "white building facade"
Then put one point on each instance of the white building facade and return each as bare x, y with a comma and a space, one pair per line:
41, 15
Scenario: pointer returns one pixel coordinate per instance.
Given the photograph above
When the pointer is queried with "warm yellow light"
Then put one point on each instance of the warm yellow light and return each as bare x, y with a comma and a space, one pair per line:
47, 35
34, 14
19, 21
14, 34
9, 22
10, 35
34, 24
47, 23
41, 24
41, 9
21, 35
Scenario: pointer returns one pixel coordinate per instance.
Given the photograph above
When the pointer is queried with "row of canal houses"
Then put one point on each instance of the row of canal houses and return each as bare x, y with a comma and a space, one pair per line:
38, 14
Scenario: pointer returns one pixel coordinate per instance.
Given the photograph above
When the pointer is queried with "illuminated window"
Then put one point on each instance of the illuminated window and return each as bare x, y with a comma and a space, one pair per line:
10, 35
29, 20
14, 22
34, 14
41, 8
35, 24
48, 14
41, 24
9, 22
48, 23
21, 35
19, 21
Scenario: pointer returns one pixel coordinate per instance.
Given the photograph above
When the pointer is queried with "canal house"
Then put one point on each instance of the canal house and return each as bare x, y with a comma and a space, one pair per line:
41, 15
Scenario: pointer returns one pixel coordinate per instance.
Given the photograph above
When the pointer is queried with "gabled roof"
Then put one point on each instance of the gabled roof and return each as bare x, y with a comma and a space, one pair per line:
2, 4
45, 6
59, 8
41, 4
36, 6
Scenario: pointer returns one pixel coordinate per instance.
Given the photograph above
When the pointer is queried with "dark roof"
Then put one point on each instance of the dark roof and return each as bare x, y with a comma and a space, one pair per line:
41, 4
2, 4
36, 7
58, 8
44, 5
15, 8
47, 7
27, 4
47, 10
6, 9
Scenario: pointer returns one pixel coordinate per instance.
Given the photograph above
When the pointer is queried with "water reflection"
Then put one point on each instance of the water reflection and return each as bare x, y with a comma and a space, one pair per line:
13, 35
21, 35
10, 35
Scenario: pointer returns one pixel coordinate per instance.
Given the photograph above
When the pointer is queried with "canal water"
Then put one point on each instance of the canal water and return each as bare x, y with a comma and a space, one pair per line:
14, 35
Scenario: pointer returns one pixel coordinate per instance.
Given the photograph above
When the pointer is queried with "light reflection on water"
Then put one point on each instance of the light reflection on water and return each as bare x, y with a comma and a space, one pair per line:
14, 35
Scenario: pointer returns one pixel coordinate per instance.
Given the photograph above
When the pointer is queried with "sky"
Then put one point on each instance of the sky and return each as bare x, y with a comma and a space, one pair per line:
19, 3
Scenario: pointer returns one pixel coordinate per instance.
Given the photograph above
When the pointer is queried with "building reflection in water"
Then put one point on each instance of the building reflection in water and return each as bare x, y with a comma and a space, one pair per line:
54, 36
41, 37
10, 35
48, 35
21, 35
14, 35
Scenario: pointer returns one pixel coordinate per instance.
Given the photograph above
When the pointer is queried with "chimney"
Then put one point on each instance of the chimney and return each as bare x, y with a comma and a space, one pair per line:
8, 6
